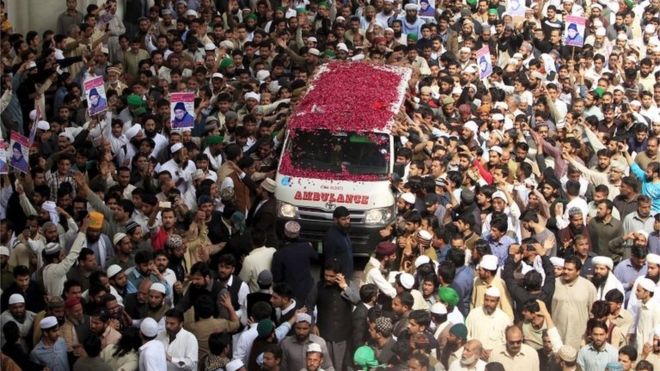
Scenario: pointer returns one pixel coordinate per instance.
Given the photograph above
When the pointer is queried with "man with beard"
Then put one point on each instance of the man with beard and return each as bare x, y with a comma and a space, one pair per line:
337, 243
162, 261
603, 278
605, 228
470, 357
571, 302
30, 291
156, 306
51, 351
411, 24
100, 326
644, 159
158, 140
530, 223
640, 220
145, 268
238, 290
488, 322
117, 278
487, 279
647, 315
55, 308
295, 346
180, 345
629, 270
85, 267
575, 228
6, 276
626, 201
201, 284
179, 166
19, 315
378, 268
57, 265
333, 299
598, 353
124, 251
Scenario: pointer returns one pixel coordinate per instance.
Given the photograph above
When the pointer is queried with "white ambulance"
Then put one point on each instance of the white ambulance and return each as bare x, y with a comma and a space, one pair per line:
339, 151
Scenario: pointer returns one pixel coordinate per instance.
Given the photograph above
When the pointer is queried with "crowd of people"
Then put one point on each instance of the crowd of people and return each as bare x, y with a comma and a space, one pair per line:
526, 232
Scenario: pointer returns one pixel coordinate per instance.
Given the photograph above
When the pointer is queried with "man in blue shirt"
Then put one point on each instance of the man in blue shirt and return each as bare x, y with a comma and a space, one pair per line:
596, 355
51, 351
497, 239
337, 243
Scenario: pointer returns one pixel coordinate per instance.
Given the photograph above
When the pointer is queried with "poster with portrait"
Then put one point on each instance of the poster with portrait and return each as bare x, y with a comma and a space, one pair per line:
19, 148
4, 168
95, 95
484, 62
574, 31
182, 110
426, 9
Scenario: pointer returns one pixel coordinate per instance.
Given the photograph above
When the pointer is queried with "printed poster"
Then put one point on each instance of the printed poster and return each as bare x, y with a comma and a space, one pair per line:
4, 168
95, 94
515, 8
484, 62
574, 30
182, 110
19, 148
426, 8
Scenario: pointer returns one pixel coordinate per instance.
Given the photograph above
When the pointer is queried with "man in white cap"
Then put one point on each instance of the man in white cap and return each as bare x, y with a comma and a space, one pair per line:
571, 302
314, 357
181, 345
51, 351
502, 202
156, 306
57, 265
294, 346
179, 166
152, 351
18, 314
652, 273
6, 275
648, 315
603, 278
486, 278
488, 323
235, 365
654, 355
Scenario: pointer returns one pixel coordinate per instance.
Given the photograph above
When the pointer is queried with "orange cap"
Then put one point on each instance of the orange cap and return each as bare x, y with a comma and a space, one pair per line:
95, 220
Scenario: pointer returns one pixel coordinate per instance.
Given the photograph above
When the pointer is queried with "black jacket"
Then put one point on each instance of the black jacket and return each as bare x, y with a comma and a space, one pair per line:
293, 264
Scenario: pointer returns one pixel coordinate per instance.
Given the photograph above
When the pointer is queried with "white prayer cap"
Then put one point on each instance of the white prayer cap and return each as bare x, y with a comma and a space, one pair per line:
314, 348
438, 308
43, 125
314, 51
557, 261
489, 262
191, 13
603, 260
149, 327
472, 126
498, 150
252, 95
653, 258
646, 284
209, 47
48, 322
493, 292
118, 237
643, 233
425, 235
52, 248
407, 280
650, 29
262, 75
600, 31
421, 260
303, 317
217, 75
176, 147
16, 299
33, 115
113, 270
133, 131
342, 47
409, 198
500, 195
159, 287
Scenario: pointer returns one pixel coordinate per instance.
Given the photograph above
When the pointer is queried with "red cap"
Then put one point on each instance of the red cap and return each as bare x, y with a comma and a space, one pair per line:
71, 302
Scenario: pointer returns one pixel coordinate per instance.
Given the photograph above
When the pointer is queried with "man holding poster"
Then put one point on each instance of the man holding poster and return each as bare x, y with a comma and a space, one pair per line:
575, 31
182, 104
95, 93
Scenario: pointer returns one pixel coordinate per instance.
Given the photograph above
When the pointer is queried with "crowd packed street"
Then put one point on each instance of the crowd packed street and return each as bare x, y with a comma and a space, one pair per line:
186, 184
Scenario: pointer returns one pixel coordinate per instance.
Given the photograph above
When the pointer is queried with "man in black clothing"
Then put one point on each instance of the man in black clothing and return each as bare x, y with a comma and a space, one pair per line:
333, 298
33, 294
337, 243
201, 283
293, 262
